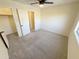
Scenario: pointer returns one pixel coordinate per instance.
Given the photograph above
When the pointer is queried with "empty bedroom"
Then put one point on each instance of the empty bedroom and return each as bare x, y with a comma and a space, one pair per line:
39, 29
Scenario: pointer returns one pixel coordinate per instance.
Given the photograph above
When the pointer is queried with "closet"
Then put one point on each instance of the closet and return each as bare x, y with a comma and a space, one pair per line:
31, 21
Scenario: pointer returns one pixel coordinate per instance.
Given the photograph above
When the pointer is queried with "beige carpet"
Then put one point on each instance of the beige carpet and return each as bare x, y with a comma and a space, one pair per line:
38, 45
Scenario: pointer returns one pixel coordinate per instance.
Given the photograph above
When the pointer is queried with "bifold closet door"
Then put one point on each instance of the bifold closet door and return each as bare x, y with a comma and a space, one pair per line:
24, 21
17, 21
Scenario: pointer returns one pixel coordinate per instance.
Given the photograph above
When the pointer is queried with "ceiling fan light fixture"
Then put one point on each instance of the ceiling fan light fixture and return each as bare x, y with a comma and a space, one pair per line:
41, 5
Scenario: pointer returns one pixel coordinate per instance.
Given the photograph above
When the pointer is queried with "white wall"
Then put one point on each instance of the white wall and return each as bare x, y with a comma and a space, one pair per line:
73, 47
37, 20
5, 11
59, 19
5, 25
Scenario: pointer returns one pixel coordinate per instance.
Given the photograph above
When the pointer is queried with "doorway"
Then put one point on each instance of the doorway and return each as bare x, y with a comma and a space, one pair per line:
12, 24
7, 24
31, 21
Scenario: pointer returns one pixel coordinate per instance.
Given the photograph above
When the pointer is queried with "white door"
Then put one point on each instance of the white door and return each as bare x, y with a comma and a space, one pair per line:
23, 16
17, 22
3, 50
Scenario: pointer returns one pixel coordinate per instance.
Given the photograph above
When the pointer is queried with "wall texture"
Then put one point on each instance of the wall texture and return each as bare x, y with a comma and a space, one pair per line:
73, 47
59, 19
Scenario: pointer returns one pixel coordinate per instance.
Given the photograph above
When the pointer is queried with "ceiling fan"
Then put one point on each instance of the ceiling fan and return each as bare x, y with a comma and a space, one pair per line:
41, 2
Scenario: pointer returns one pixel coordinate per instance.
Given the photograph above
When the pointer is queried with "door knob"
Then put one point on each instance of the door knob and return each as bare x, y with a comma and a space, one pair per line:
21, 25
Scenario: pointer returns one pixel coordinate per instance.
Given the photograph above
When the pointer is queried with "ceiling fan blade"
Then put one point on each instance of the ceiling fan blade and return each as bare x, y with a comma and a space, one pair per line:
34, 3
41, 0
48, 2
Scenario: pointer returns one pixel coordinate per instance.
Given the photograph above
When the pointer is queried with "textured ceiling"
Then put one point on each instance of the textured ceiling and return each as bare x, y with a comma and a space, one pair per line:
56, 2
